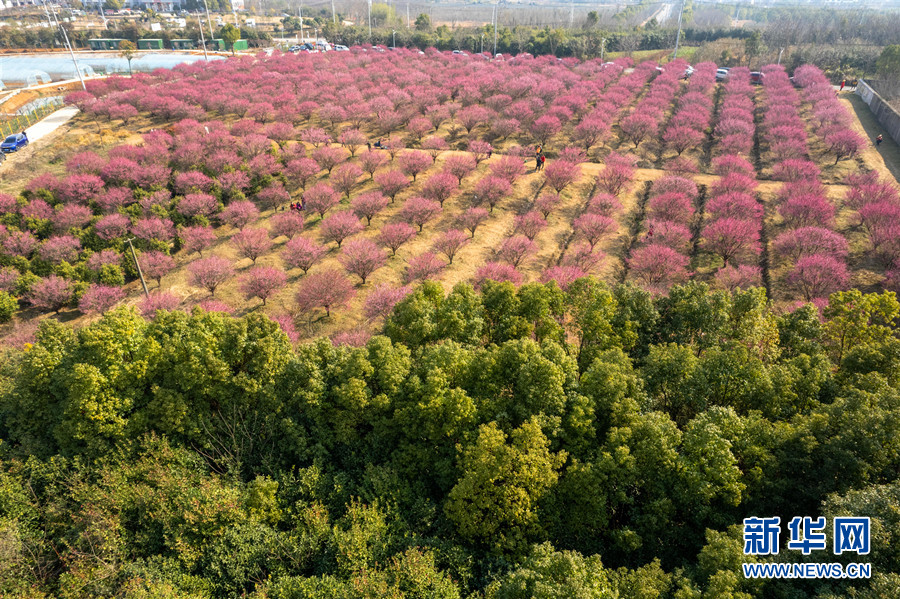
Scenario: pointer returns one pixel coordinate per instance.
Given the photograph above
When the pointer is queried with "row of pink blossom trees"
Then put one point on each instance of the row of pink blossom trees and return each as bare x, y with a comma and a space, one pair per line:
686, 129
812, 253
831, 120
643, 122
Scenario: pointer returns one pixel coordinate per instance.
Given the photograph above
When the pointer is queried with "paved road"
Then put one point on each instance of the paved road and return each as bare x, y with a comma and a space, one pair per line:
50, 124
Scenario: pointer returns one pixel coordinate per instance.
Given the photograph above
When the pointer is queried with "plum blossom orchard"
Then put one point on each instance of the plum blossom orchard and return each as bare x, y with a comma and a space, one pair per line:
328, 211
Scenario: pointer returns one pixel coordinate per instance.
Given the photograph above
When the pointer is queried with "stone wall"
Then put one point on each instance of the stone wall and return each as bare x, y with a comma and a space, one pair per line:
886, 116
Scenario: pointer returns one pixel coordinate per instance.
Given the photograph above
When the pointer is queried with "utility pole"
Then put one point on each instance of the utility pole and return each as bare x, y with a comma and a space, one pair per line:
602, 48
393, 38
482, 44
333, 14
408, 22
496, 19
572, 15
138, 265
202, 38
68, 45
300, 17
678, 37
780, 52
209, 21
370, 20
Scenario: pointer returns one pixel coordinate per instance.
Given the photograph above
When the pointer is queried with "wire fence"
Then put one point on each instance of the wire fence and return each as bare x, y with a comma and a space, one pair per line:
20, 122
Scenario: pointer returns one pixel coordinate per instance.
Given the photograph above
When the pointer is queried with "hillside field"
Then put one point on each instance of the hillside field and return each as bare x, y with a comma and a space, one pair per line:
649, 177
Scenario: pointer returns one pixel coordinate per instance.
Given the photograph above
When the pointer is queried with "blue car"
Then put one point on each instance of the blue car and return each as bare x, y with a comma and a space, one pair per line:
14, 142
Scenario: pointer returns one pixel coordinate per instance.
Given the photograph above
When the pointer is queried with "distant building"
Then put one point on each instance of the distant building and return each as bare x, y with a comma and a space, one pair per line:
157, 5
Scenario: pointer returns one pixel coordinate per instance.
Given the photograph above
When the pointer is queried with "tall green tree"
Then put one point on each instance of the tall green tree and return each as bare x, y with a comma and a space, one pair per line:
230, 34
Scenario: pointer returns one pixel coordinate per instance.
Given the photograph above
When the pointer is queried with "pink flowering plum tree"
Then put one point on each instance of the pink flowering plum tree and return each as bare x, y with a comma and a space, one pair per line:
440, 187
352, 139
414, 162
372, 160
158, 300
817, 276
156, 265
807, 241
273, 196
252, 243
300, 171
480, 150
516, 249
450, 242
328, 157
681, 138
563, 276
639, 126
391, 183
262, 282
501, 272
209, 273
339, 226
460, 166
345, 178
239, 214
362, 257
381, 300
60, 248
559, 174
509, 168
394, 235
471, 219
547, 203
593, 227
424, 266
732, 239
419, 211
657, 267
287, 224
435, 146
303, 253
672, 206
98, 299
369, 204
320, 198
492, 189
743, 276
198, 204
329, 289
530, 224
196, 238
51, 293
544, 128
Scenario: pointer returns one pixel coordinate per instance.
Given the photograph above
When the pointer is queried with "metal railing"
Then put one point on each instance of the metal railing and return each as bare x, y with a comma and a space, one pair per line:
20, 122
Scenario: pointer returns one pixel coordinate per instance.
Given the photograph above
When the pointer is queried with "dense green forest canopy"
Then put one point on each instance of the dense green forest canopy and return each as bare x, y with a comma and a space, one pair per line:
501, 443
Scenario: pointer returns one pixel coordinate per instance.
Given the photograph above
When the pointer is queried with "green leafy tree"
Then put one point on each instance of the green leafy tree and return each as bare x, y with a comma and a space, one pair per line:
423, 22
8, 306
127, 50
753, 46
853, 318
888, 64
495, 502
230, 34
550, 574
